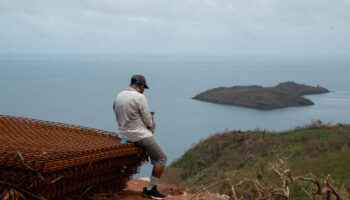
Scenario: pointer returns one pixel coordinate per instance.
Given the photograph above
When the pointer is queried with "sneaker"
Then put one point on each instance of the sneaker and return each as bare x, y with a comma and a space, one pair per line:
152, 194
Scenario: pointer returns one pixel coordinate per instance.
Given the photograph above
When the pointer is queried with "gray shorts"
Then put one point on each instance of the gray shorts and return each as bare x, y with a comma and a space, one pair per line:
154, 150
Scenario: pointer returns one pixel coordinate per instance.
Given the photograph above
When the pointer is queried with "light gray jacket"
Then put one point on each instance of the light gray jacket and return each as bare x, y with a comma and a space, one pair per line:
133, 115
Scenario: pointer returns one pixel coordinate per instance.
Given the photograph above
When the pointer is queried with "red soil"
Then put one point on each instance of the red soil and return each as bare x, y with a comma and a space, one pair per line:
134, 189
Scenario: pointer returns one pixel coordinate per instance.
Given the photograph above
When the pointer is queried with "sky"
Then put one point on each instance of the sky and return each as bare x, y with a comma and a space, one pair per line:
179, 27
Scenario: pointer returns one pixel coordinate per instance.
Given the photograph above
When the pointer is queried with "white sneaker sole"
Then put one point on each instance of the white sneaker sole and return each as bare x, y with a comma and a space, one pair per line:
157, 197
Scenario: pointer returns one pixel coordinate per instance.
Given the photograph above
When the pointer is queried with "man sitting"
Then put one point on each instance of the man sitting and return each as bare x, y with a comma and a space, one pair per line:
136, 124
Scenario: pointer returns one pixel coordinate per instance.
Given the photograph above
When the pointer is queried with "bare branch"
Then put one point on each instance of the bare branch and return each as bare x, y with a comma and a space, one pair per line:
234, 195
313, 180
331, 189
258, 190
225, 180
267, 192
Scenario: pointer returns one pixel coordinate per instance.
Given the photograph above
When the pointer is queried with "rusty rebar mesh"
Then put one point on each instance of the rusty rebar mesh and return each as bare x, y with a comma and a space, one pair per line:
56, 160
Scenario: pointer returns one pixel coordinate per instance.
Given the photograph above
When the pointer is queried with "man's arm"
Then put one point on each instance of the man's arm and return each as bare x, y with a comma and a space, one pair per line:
145, 112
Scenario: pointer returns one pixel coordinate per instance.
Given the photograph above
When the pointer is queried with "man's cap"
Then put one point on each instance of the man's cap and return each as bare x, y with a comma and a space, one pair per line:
139, 79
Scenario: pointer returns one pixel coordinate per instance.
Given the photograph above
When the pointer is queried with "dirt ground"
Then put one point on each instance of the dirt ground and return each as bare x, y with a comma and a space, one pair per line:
134, 189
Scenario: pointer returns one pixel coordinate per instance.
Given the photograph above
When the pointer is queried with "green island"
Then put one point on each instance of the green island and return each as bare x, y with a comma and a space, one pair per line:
283, 95
316, 149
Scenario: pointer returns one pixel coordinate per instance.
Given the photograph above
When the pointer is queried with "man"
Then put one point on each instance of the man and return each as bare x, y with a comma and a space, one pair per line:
136, 124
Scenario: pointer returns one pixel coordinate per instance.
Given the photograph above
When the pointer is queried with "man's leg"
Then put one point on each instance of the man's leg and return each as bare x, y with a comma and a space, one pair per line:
158, 160
157, 171
156, 174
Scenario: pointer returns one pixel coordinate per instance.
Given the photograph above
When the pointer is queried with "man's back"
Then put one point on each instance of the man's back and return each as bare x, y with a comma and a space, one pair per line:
133, 115
134, 119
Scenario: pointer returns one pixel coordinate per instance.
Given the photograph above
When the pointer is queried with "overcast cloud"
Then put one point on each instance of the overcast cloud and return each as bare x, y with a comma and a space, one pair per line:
248, 27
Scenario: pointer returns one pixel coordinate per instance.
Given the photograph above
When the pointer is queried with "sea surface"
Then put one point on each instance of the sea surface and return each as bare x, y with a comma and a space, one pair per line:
81, 90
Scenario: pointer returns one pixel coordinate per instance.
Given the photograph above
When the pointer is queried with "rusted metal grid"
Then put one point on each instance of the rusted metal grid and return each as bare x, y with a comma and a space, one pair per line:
56, 160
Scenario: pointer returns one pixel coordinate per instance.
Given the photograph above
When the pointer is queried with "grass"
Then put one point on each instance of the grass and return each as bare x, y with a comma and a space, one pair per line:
317, 148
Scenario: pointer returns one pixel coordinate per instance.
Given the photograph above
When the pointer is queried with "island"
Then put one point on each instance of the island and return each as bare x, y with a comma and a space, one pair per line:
282, 95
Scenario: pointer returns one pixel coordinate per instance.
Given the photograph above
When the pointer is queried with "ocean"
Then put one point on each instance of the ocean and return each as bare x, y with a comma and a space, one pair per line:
80, 90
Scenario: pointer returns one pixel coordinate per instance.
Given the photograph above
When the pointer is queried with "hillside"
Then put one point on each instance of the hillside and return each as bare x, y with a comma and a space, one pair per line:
283, 95
316, 148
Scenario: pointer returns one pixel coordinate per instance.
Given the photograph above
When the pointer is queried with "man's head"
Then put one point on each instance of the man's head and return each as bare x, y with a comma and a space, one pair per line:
139, 82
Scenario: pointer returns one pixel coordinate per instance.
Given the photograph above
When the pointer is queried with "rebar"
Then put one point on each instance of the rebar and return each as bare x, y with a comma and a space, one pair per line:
56, 160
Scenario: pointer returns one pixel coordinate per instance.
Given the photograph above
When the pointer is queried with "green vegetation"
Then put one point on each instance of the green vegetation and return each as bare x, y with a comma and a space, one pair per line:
283, 95
317, 148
